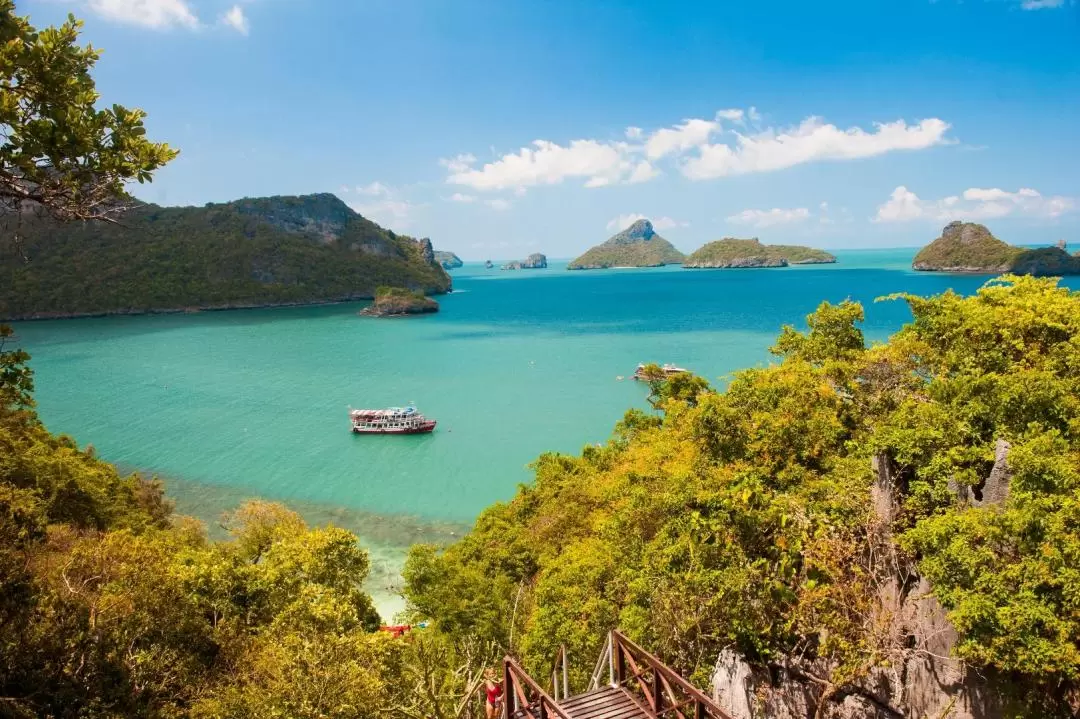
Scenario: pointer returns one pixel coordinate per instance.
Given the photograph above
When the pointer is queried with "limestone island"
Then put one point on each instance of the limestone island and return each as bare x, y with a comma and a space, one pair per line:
535, 261
732, 252
448, 260
970, 247
488, 264
636, 246
399, 302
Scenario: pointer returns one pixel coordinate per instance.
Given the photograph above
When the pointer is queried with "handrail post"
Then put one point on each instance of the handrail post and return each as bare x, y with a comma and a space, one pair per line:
620, 659
565, 680
611, 657
508, 690
658, 699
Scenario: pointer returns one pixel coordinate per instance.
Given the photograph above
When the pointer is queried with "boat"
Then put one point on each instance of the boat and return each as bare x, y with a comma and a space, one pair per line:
392, 420
667, 369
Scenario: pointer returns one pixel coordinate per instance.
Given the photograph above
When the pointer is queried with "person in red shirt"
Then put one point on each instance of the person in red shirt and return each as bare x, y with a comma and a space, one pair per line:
494, 690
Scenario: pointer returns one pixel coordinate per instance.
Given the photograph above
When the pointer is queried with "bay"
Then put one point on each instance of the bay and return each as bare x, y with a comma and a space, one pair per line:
231, 405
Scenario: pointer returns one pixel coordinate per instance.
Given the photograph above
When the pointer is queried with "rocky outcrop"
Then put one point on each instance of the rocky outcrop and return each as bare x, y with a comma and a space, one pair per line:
636, 246
970, 247
448, 260
732, 252
535, 261
488, 264
397, 301
917, 675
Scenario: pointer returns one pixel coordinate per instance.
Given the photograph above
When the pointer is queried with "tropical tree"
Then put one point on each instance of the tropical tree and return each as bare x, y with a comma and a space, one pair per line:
59, 151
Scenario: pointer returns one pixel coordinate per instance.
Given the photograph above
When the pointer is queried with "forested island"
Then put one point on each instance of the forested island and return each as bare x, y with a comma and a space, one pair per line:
636, 246
732, 252
248, 253
397, 302
535, 261
970, 247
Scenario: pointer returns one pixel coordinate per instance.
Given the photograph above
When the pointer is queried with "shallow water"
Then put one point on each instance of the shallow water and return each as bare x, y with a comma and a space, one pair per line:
229, 405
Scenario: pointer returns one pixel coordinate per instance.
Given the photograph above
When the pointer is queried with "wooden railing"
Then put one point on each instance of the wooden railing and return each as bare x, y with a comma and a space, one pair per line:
525, 699
666, 694
560, 673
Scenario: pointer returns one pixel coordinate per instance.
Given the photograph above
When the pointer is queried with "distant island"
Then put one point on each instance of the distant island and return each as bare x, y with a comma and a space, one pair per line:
397, 302
254, 252
970, 247
488, 264
731, 252
636, 246
448, 260
535, 261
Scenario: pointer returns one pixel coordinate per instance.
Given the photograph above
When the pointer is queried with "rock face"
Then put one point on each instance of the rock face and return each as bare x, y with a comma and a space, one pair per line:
448, 260
917, 676
535, 261
731, 252
636, 246
397, 301
253, 252
970, 247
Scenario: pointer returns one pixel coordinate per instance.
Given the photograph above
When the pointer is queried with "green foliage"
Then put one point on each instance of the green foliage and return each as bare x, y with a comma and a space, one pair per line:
744, 519
652, 252
250, 252
59, 149
733, 252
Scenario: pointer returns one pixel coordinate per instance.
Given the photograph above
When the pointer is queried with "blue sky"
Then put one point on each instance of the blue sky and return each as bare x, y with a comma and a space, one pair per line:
503, 127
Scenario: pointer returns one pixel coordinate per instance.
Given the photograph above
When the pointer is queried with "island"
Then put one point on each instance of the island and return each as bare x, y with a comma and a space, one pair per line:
971, 248
448, 260
732, 252
636, 246
535, 261
488, 264
254, 252
399, 302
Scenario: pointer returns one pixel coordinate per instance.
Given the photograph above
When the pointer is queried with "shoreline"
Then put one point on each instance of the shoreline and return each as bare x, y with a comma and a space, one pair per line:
45, 316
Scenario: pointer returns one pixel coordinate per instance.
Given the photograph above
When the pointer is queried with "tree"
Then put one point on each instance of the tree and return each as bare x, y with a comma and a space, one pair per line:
58, 151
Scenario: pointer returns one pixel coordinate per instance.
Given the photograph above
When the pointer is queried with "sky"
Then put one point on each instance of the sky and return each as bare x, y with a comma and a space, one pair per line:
504, 127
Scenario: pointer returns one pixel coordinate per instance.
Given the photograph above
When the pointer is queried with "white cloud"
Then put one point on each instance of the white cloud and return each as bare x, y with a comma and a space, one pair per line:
458, 197
693, 145
374, 189
459, 163
811, 141
157, 14
678, 139
620, 223
236, 19
383, 204
1040, 4
499, 204
768, 218
546, 163
974, 203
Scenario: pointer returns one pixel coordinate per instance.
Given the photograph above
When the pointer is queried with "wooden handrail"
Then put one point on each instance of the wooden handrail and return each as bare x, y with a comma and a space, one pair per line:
515, 681
703, 705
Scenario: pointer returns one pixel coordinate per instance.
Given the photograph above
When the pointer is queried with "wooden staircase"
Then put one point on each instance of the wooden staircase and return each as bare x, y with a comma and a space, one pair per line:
638, 686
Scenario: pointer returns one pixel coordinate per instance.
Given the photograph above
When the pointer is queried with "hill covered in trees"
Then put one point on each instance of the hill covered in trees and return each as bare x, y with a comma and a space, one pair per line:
970, 247
733, 252
636, 246
251, 252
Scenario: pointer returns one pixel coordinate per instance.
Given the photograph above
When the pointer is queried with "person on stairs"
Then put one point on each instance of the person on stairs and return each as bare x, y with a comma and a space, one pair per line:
494, 690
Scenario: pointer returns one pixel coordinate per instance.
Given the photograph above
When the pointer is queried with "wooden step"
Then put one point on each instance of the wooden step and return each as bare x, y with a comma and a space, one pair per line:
603, 703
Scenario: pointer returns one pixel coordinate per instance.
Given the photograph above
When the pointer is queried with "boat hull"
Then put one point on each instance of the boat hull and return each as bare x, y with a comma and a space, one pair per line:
423, 428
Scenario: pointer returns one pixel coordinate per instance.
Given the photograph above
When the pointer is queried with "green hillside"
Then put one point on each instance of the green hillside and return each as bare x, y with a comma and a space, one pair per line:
636, 246
733, 252
251, 252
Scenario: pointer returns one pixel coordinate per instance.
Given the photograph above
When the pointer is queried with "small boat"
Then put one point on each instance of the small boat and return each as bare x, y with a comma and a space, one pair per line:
392, 420
667, 369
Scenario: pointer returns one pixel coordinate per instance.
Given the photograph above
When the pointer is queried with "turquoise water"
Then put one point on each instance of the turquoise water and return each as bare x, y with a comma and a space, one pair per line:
230, 405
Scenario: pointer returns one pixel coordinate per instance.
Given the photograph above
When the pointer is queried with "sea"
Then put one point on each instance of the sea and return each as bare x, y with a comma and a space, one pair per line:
228, 406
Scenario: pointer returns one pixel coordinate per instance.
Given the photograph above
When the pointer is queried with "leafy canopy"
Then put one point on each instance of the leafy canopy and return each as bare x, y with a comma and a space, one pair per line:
57, 148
